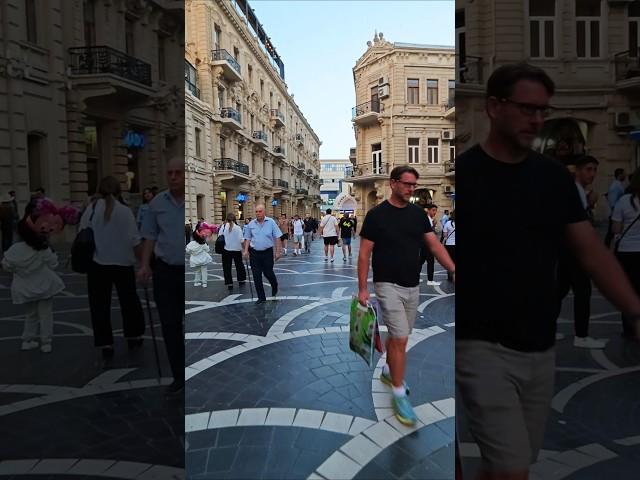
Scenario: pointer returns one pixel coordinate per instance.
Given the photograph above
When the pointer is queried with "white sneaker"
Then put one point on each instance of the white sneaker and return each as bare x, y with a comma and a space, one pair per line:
331, 259
29, 345
588, 342
45, 348
344, 259
431, 282
197, 284
326, 258
204, 285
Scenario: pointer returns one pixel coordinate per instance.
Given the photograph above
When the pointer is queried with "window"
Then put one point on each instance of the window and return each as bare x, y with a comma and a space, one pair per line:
190, 78
223, 147
376, 158
413, 86
239, 152
460, 37
588, 28
541, 28
129, 39
217, 35
89, 14
220, 97
161, 54
32, 26
252, 122
634, 22
197, 143
261, 88
432, 92
375, 101
270, 100
34, 155
452, 92
433, 153
250, 70
236, 53
414, 150
452, 152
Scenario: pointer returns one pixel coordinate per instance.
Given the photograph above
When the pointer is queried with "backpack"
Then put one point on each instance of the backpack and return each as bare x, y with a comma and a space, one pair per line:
220, 243
83, 247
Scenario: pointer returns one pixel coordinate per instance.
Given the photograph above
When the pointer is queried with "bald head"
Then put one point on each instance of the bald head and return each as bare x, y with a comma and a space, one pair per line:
175, 175
260, 212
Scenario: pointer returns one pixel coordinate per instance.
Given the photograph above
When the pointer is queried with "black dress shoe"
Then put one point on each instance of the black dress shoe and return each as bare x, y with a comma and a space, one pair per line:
230, 287
242, 283
107, 352
134, 343
261, 301
274, 291
174, 388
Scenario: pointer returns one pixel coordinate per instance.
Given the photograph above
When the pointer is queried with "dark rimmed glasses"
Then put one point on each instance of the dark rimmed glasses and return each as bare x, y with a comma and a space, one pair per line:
530, 109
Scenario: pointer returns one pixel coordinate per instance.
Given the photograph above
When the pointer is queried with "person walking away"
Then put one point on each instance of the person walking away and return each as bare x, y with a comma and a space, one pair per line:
147, 196
7, 221
505, 331
262, 235
571, 275
626, 230
329, 232
199, 258
309, 226
615, 191
347, 226
283, 225
443, 222
117, 243
449, 240
233, 238
162, 239
431, 210
34, 284
298, 235
188, 232
394, 232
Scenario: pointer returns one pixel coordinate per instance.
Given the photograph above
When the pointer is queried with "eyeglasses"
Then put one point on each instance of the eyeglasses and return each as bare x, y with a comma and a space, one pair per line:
407, 184
530, 109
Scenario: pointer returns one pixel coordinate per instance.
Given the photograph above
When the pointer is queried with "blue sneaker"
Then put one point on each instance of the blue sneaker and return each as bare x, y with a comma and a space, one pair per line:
386, 379
403, 410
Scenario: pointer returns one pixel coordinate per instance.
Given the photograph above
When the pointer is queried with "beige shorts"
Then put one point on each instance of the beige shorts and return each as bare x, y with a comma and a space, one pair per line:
398, 306
505, 396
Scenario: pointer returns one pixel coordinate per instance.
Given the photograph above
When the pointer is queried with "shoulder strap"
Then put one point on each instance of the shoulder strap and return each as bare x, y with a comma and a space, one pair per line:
629, 227
93, 210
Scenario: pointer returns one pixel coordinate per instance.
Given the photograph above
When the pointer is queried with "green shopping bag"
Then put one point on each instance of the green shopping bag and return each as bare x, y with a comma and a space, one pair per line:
364, 334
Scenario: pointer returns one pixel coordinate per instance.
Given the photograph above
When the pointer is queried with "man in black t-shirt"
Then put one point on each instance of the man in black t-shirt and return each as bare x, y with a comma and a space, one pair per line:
346, 226
505, 329
394, 233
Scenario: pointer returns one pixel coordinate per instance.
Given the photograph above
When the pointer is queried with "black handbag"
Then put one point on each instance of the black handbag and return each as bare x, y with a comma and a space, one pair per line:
83, 247
220, 243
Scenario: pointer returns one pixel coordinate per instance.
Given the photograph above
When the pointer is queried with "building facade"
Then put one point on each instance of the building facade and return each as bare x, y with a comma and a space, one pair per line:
258, 148
590, 50
334, 181
404, 115
86, 93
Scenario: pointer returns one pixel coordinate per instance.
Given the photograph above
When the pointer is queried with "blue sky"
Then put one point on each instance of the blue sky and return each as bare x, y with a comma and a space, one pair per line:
320, 41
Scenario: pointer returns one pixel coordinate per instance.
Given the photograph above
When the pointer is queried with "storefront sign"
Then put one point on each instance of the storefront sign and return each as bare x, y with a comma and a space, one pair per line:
274, 203
133, 139
241, 197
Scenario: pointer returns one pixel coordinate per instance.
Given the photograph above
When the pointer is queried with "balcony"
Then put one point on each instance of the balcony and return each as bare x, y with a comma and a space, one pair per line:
260, 138
366, 113
309, 172
231, 166
195, 91
449, 107
105, 68
278, 151
300, 166
298, 140
627, 67
470, 70
277, 117
231, 118
450, 168
367, 173
280, 183
230, 66
302, 191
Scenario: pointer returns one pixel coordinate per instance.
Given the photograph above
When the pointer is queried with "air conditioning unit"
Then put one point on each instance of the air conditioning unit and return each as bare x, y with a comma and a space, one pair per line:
448, 134
627, 120
448, 189
383, 92
383, 81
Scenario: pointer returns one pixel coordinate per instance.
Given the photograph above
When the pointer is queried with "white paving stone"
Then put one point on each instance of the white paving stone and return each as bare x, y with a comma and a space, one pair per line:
400, 427
446, 406
382, 399
383, 413
127, 469
332, 329
53, 466
361, 449
17, 467
315, 331
162, 472
252, 416
315, 476
223, 418
378, 387
308, 418
336, 422
574, 458
203, 364
428, 414
383, 434
280, 416
90, 467
359, 424
196, 422
550, 470
338, 467
597, 451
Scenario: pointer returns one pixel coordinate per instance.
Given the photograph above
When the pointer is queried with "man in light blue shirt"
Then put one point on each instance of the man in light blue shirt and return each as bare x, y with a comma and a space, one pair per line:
260, 237
616, 190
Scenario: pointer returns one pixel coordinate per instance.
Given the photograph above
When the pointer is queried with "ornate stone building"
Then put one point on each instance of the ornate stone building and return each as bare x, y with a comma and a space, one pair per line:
404, 115
588, 47
86, 91
263, 150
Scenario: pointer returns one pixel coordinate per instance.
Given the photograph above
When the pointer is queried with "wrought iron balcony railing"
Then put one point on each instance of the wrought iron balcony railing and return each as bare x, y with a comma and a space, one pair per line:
470, 69
364, 108
260, 135
627, 65
102, 59
363, 170
192, 88
275, 113
302, 191
279, 149
309, 172
450, 103
280, 183
222, 54
232, 113
231, 164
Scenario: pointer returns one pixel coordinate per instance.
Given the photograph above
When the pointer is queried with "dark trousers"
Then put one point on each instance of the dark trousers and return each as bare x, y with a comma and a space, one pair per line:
6, 229
451, 250
236, 257
431, 265
262, 262
571, 276
168, 292
100, 281
609, 236
630, 262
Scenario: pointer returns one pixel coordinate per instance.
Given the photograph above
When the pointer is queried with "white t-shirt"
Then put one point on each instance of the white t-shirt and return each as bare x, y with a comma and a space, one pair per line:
298, 227
232, 238
329, 224
449, 233
115, 238
625, 213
